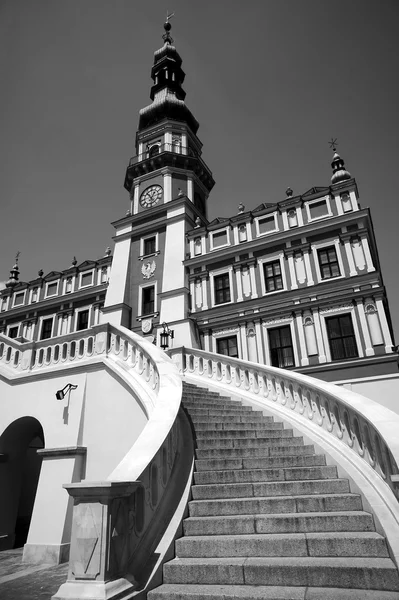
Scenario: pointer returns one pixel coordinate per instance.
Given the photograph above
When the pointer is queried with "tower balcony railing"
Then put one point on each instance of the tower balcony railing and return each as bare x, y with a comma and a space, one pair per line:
156, 150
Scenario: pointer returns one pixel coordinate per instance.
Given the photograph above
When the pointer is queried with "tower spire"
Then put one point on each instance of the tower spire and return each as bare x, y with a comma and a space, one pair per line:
338, 165
14, 273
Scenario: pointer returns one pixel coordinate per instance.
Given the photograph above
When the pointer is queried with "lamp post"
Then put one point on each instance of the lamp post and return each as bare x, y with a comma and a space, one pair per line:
166, 333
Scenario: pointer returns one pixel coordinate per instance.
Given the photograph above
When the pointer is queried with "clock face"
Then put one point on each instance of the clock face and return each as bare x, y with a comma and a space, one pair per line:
151, 196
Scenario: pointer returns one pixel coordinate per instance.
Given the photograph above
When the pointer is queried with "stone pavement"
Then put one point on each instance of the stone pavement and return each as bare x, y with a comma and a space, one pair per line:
21, 581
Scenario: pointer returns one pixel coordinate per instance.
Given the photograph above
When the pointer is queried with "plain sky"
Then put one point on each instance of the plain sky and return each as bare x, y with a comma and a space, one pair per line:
270, 81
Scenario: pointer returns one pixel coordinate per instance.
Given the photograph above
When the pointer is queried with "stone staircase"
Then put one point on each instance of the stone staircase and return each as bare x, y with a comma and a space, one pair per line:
268, 518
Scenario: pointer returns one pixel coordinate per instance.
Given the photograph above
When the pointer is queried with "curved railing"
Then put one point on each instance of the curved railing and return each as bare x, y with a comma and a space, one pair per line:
360, 424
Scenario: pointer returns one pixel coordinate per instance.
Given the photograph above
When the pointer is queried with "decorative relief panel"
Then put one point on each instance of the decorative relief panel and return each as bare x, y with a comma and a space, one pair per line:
148, 269
300, 267
358, 254
225, 331
246, 282
277, 321
334, 309
198, 293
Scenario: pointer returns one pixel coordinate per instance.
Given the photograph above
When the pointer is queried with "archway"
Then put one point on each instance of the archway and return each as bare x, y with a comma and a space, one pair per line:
19, 475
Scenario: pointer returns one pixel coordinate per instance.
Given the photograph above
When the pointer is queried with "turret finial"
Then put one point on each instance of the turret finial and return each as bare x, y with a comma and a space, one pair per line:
167, 38
333, 144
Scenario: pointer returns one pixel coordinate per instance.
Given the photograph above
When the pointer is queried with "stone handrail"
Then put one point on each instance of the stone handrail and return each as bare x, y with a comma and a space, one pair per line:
363, 426
125, 516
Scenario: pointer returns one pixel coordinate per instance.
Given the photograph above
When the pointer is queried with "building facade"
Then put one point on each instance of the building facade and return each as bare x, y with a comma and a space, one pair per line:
294, 282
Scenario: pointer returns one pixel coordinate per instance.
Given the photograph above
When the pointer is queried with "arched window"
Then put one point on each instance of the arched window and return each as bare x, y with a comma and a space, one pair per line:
154, 150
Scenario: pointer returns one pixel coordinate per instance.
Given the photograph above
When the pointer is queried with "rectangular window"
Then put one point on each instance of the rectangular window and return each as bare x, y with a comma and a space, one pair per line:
222, 288
227, 346
52, 289
341, 337
219, 239
47, 327
13, 332
19, 298
328, 262
281, 350
273, 276
83, 320
150, 245
266, 225
148, 300
318, 209
86, 279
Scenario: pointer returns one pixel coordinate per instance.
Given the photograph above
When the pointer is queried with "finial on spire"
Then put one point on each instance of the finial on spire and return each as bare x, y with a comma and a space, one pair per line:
333, 144
167, 26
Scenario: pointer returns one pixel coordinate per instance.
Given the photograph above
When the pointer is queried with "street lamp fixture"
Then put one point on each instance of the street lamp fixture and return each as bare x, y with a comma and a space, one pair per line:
60, 394
166, 333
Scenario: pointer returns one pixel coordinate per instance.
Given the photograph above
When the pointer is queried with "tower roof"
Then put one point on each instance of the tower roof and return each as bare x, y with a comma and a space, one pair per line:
167, 93
338, 166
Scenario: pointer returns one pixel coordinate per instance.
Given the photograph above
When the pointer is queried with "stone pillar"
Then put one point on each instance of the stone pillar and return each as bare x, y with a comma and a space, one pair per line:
251, 341
190, 189
50, 529
319, 336
308, 267
349, 255
290, 256
367, 253
259, 344
204, 293
136, 199
254, 293
310, 333
243, 337
239, 283
101, 532
301, 335
373, 322
366, 335
167, 187
384, 325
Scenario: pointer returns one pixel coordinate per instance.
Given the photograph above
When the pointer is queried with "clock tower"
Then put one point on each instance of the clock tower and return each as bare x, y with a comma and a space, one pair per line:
168, 184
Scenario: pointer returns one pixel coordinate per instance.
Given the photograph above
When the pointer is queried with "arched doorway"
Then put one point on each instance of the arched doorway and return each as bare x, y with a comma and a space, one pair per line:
19, 475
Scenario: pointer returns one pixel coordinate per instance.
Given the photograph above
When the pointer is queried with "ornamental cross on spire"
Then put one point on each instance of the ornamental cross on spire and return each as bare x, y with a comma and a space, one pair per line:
333, 144
17, 256
169, 16
167, 26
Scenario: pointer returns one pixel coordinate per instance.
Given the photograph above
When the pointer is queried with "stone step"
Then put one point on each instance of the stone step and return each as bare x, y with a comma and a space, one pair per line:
211, 404
273, 438
260, 475
219, 412
294, 447
248, 423
362, 573
275, 504
197, 394
226, 422
367, 544
322, 522
270, 489
172, 591
244, 430
221, 464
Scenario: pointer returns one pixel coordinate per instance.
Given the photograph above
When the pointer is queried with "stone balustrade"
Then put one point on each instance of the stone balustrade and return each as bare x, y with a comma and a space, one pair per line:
361, 425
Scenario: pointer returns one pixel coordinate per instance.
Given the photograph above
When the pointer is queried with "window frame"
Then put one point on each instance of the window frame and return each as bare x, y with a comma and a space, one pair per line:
265, 260
212, 247
142, 244
342, 337
279, 327
266, 216
223, 338
81, 274
334, 312
23, 292
309, 203
315, 252
48, 283
212, 275
13, 326
42, 321
78, 311
142, 287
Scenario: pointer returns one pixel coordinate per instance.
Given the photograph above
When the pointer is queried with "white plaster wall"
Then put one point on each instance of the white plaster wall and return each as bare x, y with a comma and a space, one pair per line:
173, 274
113, 420
384, 390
